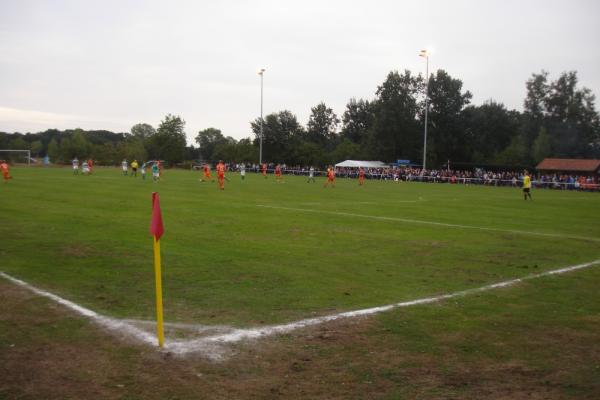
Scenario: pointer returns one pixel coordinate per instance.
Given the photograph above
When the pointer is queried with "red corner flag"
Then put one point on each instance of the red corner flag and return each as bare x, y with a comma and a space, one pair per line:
156, 226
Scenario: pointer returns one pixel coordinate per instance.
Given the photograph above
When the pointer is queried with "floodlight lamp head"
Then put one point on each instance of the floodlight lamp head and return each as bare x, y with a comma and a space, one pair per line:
424, 53
261, 71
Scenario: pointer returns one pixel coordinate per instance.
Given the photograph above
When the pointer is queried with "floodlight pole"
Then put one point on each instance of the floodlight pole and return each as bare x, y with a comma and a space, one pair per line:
261, 73
425, 53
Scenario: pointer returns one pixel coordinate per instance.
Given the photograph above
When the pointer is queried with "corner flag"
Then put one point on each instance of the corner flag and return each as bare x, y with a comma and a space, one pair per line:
157, 229
156, 226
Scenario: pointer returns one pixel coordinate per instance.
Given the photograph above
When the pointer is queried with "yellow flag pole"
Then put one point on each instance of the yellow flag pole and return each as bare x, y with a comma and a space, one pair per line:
159, 304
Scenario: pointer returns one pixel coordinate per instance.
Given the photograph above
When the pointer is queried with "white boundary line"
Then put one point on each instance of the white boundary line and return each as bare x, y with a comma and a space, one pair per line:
212, 346
106, 322
444, 224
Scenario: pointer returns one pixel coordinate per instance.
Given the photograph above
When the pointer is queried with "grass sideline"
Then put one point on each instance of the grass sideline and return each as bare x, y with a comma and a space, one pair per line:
228, 261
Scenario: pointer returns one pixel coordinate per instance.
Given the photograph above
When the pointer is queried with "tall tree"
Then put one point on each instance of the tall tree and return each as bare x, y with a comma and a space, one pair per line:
395, 132
143, 131
208, 139
169, 142
489, 129
322, 125
447, 137
279, 130
357, 120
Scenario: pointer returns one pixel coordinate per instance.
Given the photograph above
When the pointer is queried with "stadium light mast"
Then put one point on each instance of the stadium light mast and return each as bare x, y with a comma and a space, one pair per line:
425, 53
261, 73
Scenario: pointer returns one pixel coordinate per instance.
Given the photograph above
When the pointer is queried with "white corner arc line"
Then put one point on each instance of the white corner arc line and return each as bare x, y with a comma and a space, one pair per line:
434, 223
106, 322
207, 343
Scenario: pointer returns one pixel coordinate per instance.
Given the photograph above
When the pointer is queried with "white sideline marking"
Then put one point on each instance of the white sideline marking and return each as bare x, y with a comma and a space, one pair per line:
109, 323
213, 346
444, 224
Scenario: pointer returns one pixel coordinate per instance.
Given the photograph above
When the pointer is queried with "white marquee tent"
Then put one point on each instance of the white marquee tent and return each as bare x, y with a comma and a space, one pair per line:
358, 164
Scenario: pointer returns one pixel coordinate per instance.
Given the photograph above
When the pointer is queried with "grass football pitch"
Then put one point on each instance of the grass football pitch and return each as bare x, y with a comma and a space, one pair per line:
262, 252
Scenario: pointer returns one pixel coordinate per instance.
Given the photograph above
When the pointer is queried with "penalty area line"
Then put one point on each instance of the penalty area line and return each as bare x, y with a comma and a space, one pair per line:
434, 223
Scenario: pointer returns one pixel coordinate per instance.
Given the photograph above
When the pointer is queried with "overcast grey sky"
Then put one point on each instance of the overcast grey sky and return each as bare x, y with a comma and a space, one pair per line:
111, 64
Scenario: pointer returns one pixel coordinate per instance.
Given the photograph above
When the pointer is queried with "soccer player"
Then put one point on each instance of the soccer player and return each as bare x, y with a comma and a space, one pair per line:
330, 177
311, 175
134, 167
125, 167
155, 172
243, 171
90, 166
143, 171
221, 174
278, 173
75, 163
85, 166
5, 170
526, 186
361, 176
264, 170
207, 174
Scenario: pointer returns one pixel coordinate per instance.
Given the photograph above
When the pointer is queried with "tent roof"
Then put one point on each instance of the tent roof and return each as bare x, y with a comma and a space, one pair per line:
364, 164
562, 164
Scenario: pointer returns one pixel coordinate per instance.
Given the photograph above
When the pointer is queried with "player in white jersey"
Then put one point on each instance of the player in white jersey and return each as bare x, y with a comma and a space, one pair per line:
125, 166
75, 166
243, 171
311, 175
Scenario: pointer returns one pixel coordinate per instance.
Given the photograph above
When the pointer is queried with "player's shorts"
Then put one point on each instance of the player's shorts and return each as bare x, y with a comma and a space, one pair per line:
155, 174
330, 179
525, 190
134, 169
75, 167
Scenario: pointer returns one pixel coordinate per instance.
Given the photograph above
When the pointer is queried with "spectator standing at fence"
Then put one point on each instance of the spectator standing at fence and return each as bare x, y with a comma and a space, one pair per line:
527, 185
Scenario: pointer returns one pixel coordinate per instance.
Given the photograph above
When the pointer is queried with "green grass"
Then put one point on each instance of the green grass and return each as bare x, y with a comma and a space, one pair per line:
227, 260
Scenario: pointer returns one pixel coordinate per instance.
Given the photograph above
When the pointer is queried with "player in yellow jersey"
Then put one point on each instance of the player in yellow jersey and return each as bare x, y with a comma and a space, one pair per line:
527, 185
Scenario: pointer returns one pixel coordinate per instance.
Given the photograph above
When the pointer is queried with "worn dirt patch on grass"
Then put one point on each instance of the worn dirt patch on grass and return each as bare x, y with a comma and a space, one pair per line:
46, 352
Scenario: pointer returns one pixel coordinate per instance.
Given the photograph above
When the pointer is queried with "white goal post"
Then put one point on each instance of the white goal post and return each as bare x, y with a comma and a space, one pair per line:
19, 151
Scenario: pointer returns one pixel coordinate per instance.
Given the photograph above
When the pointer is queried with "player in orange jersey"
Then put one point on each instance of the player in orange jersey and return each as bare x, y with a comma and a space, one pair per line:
207, 175
361, 176
221, 174
330, 177
264, 170
5, 171
91, 165
278, 173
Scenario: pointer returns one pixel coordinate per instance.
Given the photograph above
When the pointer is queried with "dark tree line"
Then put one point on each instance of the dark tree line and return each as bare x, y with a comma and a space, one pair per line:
559, 119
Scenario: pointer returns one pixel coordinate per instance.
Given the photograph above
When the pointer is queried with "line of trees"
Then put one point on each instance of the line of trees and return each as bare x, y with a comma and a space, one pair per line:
559, 119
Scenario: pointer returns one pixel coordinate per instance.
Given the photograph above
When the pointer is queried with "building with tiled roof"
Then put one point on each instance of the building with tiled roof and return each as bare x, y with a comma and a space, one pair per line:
570, 166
